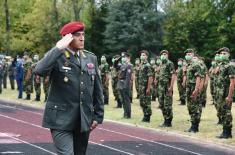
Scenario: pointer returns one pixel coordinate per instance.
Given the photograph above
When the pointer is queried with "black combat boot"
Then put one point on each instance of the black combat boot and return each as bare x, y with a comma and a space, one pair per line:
163, 124
146, 118
37, 98
225, 134
182, 102
193, 128
28, 97
168, 123
220, 122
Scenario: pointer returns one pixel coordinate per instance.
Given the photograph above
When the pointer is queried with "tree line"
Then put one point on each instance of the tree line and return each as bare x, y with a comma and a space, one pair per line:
113, 26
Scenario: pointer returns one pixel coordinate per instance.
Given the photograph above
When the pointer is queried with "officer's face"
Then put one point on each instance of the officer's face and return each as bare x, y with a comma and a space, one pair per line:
78, 40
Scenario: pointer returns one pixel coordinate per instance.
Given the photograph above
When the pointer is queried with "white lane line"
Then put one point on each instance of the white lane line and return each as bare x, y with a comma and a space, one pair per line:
111, 148
29, 144
159, 143
11, 152
24, 122
21, 109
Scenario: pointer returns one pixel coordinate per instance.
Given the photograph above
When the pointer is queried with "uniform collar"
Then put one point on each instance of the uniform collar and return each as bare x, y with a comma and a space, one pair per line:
73, 52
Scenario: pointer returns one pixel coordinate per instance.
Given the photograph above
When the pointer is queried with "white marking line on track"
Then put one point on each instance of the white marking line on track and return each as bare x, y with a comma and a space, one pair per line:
166, 145
24, 122
159, 143
29, 144
111, 148
11, 107
11, 152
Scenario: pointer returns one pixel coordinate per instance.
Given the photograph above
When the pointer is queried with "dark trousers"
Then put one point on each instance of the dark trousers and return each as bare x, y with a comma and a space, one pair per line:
70, 142
20, 87
125, 93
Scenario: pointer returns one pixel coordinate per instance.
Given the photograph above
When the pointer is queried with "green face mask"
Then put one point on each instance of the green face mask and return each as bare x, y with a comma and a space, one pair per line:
213, 63
217, 58
142, 58
123, 60
224, 57
188, 57
113, 60
152, 62
180, 63
103, 60
163, 57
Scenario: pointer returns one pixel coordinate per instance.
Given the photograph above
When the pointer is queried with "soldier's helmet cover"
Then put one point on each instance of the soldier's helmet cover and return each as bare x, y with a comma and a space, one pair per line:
223, 49
72, 27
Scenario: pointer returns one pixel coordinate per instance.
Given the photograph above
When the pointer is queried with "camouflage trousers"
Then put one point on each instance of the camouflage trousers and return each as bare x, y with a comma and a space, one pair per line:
37, 88
203, 96
182, 91
194, 106
106, 94
212, 88
46, 89
137, 86
154, 91
28, 87
114, 87
223, 110
165, 102
145, 103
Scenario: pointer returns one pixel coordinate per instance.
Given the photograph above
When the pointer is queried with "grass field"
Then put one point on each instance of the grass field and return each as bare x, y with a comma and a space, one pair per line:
208, 127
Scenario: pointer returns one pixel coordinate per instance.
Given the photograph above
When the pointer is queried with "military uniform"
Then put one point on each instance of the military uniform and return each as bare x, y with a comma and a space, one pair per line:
124, 86
37, 85
5, 73
145, 99
203, 94
104, 70
153, 87
165, 100
1, 75
226, 72
75, 98
28, 79
181, 89
136, 70
212, 81
46, 84
194, 107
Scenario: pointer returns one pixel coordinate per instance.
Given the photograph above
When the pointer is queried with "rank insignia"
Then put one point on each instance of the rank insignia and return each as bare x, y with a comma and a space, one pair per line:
66, 79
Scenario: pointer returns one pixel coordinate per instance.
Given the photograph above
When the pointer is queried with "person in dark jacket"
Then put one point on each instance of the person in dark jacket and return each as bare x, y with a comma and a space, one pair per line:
75, 104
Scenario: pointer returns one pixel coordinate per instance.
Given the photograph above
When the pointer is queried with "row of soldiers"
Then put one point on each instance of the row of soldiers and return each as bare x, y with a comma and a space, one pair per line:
156, 79
20, 70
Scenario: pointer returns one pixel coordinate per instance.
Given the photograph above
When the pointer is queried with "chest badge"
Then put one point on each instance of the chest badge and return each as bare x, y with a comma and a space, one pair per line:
66, 79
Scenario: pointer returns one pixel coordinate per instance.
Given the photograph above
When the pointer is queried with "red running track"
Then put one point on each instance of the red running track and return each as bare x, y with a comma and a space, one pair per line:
21, 133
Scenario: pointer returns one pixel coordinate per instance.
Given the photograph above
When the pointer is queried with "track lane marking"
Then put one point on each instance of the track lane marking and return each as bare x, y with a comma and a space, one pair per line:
159, 143
135, 137
31, 124
17, 139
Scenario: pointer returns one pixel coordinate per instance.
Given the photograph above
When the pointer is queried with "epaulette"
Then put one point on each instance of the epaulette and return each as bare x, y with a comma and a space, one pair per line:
88, 52
67, 54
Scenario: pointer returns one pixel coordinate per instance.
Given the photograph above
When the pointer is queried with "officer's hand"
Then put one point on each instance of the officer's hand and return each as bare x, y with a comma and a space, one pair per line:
64, 42
94, 125
229, 100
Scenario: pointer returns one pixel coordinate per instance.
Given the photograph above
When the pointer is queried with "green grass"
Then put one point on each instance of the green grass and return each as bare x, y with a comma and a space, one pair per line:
208, 128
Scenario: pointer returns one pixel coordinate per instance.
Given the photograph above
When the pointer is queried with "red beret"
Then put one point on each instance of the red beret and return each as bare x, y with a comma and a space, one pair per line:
71, 28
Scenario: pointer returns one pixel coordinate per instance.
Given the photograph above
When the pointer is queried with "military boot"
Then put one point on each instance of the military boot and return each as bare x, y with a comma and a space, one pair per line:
146, 118
37, 98
225, 134
28, 97
219, 121
163, 124
168, 123
193, 128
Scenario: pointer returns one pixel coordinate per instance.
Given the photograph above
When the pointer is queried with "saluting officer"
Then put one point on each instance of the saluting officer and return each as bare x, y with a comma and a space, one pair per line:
75, 103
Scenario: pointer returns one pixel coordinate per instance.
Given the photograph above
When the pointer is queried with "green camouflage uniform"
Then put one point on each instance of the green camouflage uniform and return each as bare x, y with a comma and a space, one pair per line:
153, 86
137, 77
114, 76
203, 94
212, 82
46, 85
165, 101
145, 100
104, 70
131, 83
226, 71
28, 79
181, 89
37, 84
194, 107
